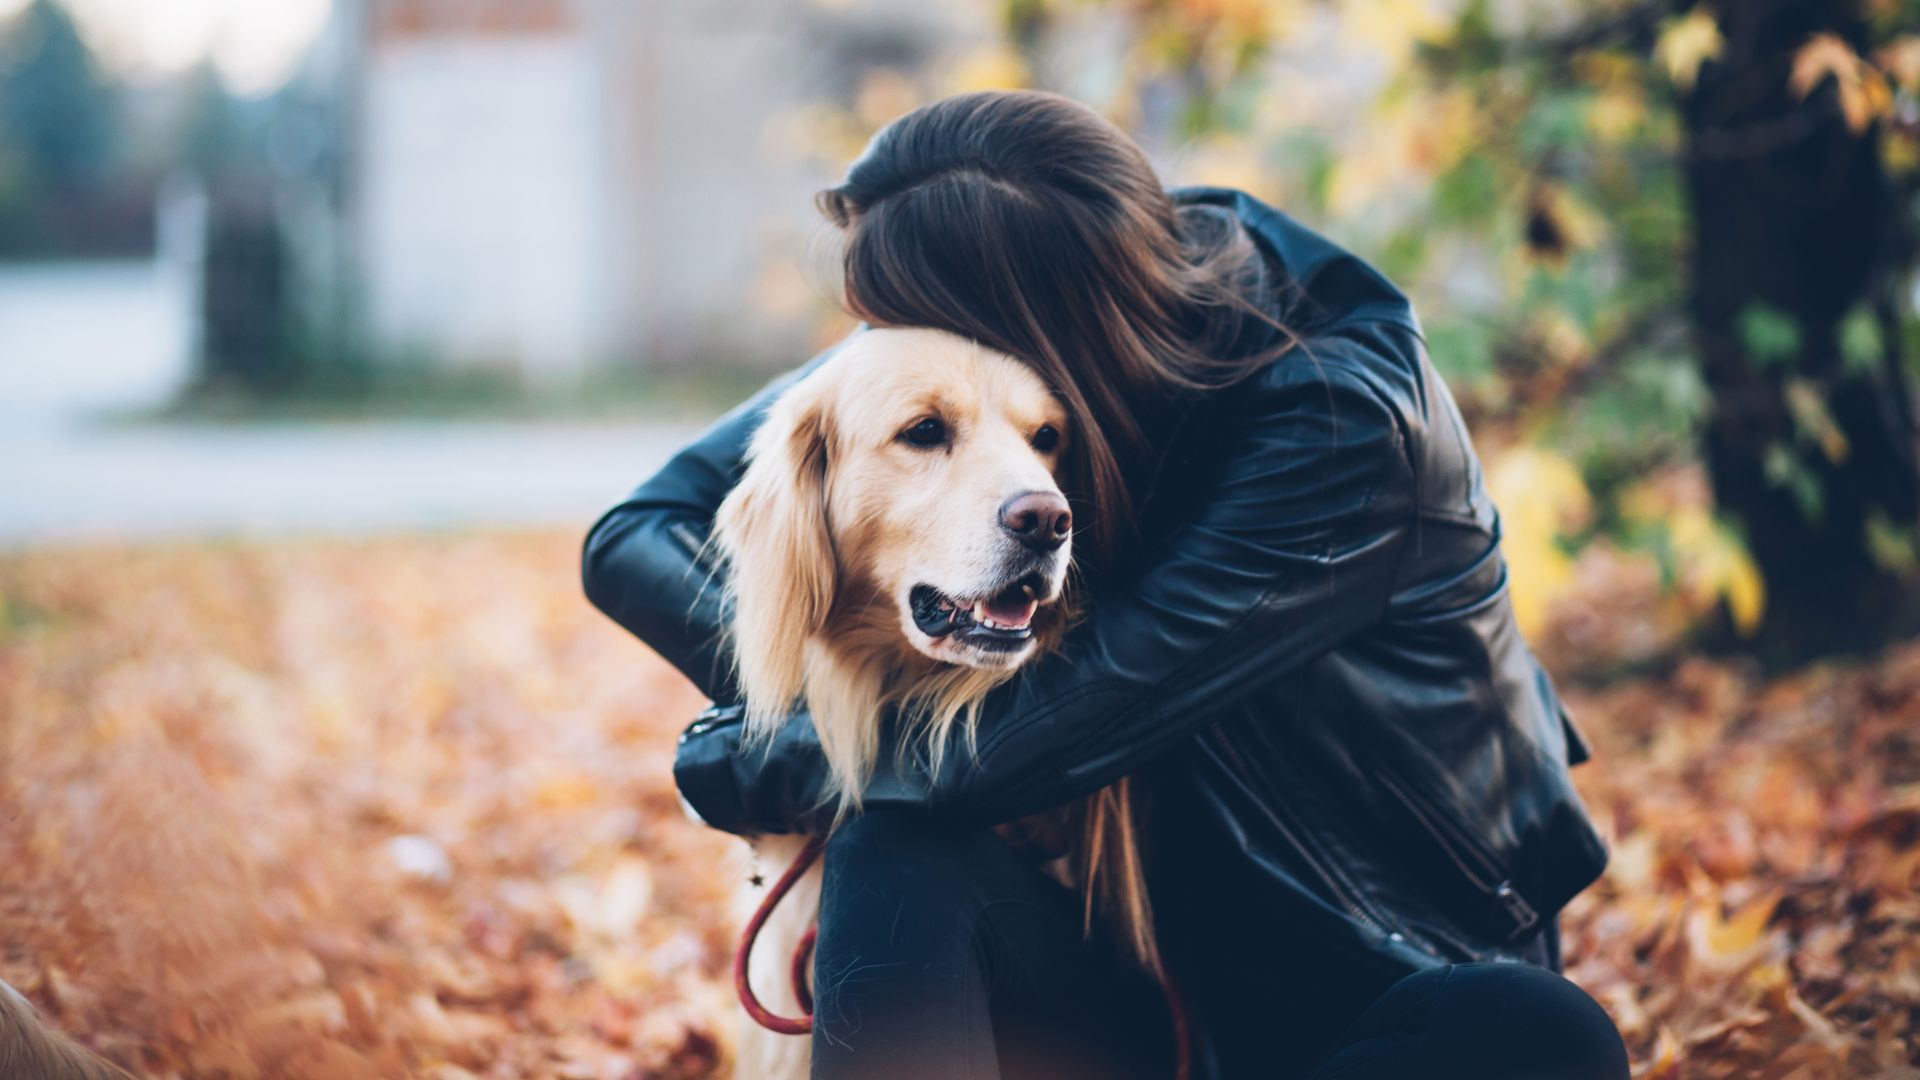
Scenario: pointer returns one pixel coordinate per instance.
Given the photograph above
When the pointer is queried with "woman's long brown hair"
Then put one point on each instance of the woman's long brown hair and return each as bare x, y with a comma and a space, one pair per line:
1027, 222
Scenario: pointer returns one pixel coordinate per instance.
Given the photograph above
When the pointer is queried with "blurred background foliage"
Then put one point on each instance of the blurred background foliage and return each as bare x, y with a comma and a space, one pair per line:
1664, 251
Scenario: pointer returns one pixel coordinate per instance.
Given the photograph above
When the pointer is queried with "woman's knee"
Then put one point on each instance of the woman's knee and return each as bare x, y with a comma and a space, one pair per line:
1481, 1022
931, 882
898, 921
887, 859
878, 846
1533, 1023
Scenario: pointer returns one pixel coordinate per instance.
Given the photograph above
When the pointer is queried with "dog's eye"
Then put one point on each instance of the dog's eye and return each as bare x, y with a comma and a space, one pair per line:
1047, 439
926, 434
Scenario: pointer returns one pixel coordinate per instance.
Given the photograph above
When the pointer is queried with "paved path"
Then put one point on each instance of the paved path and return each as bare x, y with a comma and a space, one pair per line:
85, 339
63, 482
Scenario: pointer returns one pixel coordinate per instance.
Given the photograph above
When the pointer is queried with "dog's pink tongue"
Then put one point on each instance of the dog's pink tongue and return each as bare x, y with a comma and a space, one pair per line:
1011, 609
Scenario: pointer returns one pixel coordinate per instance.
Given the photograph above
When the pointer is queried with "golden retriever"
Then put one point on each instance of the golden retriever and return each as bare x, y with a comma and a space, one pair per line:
29, 1050
899, 539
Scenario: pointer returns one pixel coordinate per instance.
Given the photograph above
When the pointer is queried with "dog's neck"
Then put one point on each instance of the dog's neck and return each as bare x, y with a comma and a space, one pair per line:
866, 647
860, 665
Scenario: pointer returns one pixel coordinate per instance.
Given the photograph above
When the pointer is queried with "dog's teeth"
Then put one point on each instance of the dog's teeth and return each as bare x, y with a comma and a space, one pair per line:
1028, 591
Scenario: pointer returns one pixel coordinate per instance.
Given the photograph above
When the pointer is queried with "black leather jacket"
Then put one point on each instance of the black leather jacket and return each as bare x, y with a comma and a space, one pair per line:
1313, 660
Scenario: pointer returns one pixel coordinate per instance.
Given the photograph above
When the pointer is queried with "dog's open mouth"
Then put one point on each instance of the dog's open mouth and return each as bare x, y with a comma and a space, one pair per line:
1003, 620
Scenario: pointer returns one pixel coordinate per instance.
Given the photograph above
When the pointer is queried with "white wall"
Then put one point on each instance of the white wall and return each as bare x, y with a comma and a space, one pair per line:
559, 198
715, 206
480, 205
78, 338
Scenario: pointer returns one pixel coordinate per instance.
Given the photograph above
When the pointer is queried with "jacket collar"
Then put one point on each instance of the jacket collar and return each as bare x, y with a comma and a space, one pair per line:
1313, 283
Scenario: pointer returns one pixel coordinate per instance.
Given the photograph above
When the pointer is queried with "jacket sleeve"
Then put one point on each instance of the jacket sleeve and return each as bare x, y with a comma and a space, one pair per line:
1295, 548
646, 563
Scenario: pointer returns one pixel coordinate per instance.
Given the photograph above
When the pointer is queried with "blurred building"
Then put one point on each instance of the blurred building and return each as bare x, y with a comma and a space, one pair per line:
551, 186
112, 331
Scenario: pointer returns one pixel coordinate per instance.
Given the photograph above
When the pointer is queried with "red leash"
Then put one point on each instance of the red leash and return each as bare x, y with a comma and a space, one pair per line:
803, 956
762, 1015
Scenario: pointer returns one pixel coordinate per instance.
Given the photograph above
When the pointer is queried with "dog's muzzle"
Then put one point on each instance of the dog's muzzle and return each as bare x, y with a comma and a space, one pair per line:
1002, 620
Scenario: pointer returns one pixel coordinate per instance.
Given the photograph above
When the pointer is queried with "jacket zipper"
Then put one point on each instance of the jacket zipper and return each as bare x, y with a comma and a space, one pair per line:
1346, 897
1500, 889
696, 547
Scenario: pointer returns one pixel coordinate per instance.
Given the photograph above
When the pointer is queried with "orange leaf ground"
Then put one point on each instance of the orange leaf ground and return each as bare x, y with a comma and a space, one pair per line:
403, 808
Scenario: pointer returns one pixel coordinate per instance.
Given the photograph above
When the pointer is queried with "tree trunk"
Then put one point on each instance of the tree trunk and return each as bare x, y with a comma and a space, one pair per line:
1795, 216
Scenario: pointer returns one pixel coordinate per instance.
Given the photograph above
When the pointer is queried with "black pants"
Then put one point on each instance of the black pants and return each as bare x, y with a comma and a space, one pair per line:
943, 955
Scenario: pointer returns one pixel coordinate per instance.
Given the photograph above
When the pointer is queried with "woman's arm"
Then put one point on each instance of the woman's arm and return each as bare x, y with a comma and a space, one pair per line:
643, 562
1294, 550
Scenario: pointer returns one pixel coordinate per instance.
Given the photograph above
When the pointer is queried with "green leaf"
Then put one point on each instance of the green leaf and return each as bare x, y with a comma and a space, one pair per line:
1645, 415
1861, 344
1909, 342
1555, 121
1405, 253
1468, 193
1769, 335
1894, 548
1462, 349
1308, 155
1784, 469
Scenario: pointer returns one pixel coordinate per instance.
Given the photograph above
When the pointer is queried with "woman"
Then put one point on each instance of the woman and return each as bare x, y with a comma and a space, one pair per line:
1360, 827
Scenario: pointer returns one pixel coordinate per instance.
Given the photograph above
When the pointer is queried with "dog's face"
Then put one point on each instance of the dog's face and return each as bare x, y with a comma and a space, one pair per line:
905, 487
943, 496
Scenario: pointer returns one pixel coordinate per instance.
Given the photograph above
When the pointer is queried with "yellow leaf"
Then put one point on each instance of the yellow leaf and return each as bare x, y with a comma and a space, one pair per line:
1735, 940
1408, 139
1772, 975
1228, 161
1811, 417
1617, 112
1665, 1060
559, 790
1900, 59
1436, 131
1561, 339
996, 67
884, 95
1713, 565
1537, 487
1394, 27
1746, 593
1244, 14
1686, 43
1744, 928
1358, 178
1541, 496
1901, 153
1863, 90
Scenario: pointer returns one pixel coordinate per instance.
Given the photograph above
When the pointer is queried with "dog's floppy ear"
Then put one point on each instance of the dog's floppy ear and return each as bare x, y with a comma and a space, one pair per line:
773, 530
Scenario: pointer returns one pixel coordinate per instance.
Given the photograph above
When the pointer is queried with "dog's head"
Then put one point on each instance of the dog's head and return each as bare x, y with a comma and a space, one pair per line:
902, 495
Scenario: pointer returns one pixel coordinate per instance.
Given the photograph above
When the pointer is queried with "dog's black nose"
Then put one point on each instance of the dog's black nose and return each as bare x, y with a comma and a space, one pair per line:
1039, 519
